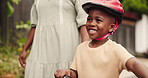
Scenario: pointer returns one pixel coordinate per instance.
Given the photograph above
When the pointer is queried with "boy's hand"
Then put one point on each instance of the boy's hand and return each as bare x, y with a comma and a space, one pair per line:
62, 72
22, 58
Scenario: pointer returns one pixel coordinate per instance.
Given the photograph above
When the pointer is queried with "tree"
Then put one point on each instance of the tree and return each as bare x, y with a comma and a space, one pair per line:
6, 10
140, 6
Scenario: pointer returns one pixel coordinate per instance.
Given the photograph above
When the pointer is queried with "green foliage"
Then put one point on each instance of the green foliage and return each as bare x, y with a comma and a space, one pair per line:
9, 61
23, 25
140, 6
16, 1
10, 8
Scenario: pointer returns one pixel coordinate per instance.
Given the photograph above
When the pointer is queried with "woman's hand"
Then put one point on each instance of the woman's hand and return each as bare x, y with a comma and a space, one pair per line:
22, 58
61, 73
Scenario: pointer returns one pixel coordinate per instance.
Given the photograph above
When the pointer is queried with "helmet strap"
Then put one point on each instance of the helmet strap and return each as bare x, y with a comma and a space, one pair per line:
105, 36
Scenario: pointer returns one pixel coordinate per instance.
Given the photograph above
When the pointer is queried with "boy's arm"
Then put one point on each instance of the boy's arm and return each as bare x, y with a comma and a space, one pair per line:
63, 72
140, 70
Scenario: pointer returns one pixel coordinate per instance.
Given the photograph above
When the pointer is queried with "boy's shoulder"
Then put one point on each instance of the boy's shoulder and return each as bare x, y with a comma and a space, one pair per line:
110, 44
83, 43
114, 44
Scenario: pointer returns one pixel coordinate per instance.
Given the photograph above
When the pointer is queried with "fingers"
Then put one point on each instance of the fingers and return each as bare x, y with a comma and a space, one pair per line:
61, 73
66, 76
57, 74
22, 61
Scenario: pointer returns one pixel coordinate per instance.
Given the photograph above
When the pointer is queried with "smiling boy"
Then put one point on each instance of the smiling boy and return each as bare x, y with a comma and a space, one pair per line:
101, 57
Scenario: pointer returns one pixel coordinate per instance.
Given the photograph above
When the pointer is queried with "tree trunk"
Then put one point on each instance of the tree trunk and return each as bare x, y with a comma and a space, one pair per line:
4, 30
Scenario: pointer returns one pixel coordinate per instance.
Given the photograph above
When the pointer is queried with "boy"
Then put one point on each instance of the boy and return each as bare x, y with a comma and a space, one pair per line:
102, 57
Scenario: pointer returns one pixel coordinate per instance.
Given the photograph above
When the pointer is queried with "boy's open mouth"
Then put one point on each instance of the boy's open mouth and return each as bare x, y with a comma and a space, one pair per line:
92, 31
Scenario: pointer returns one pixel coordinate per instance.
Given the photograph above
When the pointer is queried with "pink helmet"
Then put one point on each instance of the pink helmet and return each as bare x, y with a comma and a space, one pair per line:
113, 6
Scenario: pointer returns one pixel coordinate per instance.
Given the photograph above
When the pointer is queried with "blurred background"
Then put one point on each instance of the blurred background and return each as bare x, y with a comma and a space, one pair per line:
15, 25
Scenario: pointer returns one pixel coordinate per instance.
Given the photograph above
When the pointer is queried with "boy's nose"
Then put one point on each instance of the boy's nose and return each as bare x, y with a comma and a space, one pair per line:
92, 23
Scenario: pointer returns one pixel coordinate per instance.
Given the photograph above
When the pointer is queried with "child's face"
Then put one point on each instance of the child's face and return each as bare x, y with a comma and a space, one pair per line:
99, 23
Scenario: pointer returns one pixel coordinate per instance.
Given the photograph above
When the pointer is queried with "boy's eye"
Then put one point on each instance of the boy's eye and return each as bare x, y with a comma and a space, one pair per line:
88, 19
98, 20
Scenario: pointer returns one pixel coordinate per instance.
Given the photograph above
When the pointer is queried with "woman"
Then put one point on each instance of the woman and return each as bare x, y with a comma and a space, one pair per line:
55, 36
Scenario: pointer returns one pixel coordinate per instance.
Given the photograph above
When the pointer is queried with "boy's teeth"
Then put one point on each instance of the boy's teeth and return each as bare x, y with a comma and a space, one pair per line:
92, 31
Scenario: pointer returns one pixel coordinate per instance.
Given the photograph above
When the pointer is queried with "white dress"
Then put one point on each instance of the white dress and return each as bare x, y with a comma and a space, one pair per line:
56, 36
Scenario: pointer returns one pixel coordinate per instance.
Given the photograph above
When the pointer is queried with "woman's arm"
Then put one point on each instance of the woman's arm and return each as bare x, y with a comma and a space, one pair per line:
137, 68
83, 33
27, 45
29, 39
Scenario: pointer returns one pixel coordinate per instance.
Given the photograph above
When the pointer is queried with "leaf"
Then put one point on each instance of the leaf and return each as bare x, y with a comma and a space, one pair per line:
10, 9
140, 6
16, 1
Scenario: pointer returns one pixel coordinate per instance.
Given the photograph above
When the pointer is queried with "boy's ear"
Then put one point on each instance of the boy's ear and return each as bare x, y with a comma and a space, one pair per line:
112, 27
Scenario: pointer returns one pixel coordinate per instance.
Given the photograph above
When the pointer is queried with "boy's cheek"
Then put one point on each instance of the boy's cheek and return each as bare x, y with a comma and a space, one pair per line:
87, 24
